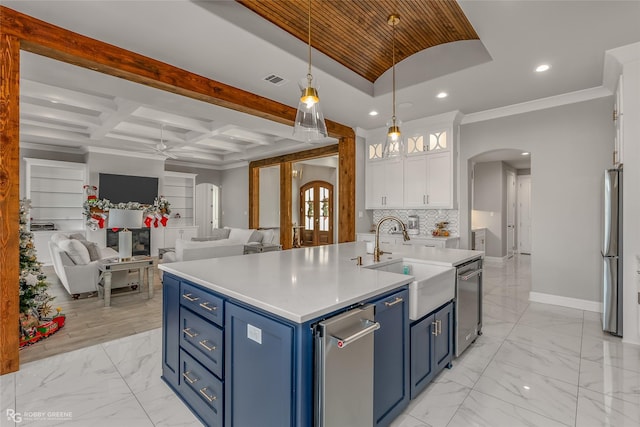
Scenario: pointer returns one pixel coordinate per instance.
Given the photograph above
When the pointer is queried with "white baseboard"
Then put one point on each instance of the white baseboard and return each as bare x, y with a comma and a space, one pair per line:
581, 304
496, 259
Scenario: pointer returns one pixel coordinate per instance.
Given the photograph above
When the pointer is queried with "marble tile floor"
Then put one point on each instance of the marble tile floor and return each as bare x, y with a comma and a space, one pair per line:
534, 365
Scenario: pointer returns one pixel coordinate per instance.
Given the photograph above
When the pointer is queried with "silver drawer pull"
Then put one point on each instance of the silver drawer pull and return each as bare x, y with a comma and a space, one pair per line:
435, 328
210, 398
398, 300
205, 305
190, 334
188, 378
469, 274
190, 297
369, 328
202, 343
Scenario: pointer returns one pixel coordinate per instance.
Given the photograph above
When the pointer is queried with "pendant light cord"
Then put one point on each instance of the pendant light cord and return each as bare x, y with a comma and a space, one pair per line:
393, 55
309, 77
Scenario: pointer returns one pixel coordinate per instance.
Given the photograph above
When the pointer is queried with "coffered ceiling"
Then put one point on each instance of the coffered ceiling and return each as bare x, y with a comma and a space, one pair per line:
120, 115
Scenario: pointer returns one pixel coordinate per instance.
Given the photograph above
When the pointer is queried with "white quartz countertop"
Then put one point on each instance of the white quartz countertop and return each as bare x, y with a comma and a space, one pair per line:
307, 283
413, 236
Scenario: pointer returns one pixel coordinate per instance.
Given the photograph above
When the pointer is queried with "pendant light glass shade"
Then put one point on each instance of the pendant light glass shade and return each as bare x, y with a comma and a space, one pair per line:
394, 144
309, 124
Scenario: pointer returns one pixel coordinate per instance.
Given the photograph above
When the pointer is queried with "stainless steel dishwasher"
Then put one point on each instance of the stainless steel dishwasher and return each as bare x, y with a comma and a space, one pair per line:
468, 304
344, 369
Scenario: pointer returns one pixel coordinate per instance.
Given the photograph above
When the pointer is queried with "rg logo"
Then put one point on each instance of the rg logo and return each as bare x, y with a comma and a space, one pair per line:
13, 415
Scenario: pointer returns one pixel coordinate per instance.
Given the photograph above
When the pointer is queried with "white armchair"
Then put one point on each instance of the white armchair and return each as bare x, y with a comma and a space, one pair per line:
75, 268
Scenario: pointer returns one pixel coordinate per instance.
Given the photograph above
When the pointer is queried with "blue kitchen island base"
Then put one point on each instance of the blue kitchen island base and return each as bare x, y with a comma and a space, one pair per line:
235, 365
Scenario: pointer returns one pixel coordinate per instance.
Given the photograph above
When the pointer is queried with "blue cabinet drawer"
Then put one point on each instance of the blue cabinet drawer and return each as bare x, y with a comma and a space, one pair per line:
203, 340
202, 390
202, 302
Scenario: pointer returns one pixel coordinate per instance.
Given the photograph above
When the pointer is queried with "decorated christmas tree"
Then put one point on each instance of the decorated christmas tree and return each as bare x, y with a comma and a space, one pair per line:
34, 299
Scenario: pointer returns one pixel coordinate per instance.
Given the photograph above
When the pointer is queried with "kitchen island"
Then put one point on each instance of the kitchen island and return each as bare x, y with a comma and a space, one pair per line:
238, 332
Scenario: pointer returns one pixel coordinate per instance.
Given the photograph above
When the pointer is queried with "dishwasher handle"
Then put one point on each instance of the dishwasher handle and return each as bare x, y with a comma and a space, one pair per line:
470, 274
369, 327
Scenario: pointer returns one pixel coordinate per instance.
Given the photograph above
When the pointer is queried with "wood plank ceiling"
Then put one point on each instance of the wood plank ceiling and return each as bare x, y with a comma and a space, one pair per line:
355, 33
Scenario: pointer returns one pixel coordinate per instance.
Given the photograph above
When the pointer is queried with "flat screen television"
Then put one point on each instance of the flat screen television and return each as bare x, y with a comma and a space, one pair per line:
128, 188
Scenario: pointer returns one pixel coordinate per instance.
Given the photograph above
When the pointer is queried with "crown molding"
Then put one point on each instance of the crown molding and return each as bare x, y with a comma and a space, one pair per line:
538, 104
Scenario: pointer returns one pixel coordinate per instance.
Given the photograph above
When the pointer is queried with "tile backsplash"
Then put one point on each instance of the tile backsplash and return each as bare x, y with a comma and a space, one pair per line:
427, 218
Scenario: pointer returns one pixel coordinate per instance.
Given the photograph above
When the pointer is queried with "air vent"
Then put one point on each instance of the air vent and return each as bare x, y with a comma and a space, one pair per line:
276, 80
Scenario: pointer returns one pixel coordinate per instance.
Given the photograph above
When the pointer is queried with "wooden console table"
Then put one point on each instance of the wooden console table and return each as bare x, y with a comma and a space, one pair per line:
140, 263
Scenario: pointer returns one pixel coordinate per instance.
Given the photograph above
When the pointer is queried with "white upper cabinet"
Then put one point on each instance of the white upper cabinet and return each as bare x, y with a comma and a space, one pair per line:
423, 176
384, 187
428, 181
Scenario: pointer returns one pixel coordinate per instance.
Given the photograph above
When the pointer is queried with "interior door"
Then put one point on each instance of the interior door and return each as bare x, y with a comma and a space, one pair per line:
511, 213
206, 208
524, 214
316, 213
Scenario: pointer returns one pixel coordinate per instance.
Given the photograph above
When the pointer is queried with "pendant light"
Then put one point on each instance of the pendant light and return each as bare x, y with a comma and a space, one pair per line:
309, 124
394, 145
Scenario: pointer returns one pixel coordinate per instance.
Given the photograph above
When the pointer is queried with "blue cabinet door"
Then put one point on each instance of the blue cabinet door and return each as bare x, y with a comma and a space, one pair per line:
443, 339
422, 366
259, 370
171, 330
391, 358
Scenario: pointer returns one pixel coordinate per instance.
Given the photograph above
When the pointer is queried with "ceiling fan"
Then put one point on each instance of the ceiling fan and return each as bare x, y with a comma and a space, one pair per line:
163, 149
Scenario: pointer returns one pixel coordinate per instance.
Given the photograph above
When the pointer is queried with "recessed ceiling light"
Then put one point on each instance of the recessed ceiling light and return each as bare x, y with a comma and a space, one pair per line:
542, 68
442, 95
373, 113
526, 153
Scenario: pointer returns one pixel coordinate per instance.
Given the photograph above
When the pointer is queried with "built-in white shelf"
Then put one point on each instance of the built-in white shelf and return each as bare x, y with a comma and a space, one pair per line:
179, 189
56, 192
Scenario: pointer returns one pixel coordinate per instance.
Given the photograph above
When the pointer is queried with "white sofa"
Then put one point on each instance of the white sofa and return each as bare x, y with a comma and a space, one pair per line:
218, 245
75, 262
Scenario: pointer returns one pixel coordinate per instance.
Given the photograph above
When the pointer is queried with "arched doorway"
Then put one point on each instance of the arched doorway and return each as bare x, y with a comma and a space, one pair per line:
316, 213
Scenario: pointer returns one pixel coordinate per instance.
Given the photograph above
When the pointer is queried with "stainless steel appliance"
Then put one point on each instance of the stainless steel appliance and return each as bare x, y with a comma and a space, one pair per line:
612, 253
344, 369
468, 304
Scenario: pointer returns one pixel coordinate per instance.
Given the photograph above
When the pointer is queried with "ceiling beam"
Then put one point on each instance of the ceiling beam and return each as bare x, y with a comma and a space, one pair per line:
49, 40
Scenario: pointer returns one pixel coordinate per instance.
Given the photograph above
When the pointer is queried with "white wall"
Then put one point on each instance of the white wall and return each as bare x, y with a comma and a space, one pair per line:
269, 204
570, 147
234, 198
488, 206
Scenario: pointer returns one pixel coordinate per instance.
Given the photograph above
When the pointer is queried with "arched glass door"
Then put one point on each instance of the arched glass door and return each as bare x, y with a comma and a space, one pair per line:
316, 213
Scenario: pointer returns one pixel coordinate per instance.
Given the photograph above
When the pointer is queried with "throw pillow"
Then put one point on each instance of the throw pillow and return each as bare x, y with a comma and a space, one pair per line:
59, 237
92, 248
256, 237
76, 251
240, 235
77, 236
220, 233
267, 235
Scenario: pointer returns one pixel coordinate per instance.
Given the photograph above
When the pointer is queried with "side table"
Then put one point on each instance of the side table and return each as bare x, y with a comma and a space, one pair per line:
261, 247
141, 263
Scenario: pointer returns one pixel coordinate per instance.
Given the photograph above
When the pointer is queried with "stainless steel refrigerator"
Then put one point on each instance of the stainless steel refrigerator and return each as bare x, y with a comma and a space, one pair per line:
612, 253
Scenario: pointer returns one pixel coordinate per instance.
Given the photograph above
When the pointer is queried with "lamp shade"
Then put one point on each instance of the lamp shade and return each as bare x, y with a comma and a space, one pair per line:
125, 218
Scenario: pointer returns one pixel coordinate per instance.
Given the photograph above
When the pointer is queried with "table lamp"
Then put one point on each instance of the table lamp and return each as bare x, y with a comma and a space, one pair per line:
125, 219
